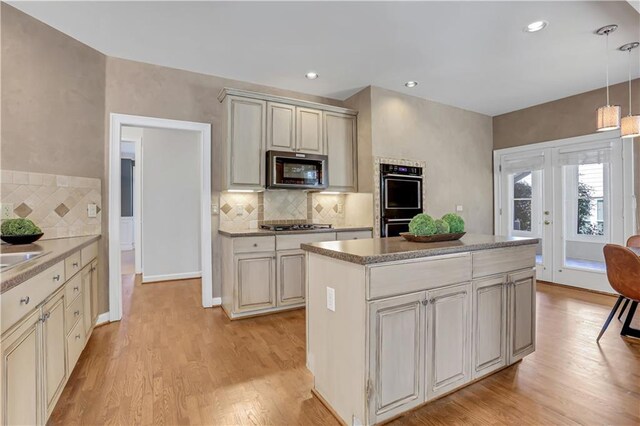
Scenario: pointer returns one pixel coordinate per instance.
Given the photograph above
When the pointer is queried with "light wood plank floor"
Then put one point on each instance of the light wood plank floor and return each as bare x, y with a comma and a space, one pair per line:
171, 362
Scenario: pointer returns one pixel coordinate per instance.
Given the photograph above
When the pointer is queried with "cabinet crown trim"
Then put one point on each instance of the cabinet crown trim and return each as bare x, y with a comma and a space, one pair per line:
227, 91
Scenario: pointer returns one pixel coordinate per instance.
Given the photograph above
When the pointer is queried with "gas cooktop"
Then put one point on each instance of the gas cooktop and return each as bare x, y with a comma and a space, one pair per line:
294, 226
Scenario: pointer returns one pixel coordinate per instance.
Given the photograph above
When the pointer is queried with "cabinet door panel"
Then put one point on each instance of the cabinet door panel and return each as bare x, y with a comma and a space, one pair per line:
256, 282
94, 292
522, 307
247, 140
490, 321
21, 401
86, 297
340, 143
55, 365
291, 277
396, 355
448, 339
281, 126
309, 131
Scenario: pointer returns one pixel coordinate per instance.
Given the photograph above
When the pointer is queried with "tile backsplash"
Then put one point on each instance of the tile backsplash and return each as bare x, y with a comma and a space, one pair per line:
56, 203
247, 210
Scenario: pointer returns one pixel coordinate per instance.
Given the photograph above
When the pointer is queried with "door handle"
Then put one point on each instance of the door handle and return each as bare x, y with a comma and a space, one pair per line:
547, 222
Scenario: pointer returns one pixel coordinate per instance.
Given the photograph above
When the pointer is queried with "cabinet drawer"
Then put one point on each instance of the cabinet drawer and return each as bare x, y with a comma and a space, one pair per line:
417, 275
75, 344
354, 235
72, 264
499, 261
72, 314
254, 244
291, 242
89, 253
22, 299
73, 289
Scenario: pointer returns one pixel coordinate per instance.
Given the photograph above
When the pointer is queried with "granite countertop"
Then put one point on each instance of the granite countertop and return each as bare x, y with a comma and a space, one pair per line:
379, 250
56, 250
264, 232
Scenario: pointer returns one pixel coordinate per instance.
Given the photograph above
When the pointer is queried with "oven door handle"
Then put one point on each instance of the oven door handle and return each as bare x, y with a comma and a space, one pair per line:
403, 176
397, 220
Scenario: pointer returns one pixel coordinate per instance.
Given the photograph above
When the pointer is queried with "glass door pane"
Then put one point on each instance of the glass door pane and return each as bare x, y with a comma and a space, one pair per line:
525, 207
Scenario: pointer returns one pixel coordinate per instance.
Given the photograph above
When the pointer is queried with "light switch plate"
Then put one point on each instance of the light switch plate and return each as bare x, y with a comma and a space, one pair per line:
340, 208
239, 209
92, 210
459, 208
7, 211
215, 210
331, 299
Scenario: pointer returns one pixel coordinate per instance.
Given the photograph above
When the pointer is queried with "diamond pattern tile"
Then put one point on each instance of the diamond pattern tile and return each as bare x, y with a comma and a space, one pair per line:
226, 208
318, 208
62, 210
22, 210
249, 208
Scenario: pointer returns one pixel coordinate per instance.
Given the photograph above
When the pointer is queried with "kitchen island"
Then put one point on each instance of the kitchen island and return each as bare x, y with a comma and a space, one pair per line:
392, 324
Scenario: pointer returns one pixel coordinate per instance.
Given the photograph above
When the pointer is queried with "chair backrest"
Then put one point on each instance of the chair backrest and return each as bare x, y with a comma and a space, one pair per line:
634, 241
623, 270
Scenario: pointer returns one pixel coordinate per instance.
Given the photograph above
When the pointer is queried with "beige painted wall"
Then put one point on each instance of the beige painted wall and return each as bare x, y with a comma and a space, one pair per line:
565, 118
52, 107
456, 145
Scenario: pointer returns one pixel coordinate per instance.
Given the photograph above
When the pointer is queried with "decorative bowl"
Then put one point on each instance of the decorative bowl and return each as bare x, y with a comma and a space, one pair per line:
21, 239
431, 238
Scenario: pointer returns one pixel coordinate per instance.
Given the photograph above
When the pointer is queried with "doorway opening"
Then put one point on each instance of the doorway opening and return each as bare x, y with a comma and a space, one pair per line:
160, 204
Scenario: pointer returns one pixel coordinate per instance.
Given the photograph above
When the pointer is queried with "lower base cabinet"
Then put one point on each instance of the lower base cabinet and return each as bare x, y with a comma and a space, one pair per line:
490, 310
291, 277
55, 362
256, 281
522, 314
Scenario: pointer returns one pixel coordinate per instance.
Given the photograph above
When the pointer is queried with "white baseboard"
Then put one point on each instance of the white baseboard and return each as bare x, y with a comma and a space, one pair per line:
170, 277
103, 318
217, 301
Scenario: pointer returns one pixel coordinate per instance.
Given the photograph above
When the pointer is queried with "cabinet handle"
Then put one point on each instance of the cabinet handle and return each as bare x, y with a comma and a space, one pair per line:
56, 277
47, 316
76, 313
77, 337
25, 300
425, 302
255, 244
75, 264
76, 288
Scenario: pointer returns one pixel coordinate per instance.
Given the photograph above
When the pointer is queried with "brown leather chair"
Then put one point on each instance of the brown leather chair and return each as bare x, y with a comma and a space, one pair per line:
633, 241
623, 271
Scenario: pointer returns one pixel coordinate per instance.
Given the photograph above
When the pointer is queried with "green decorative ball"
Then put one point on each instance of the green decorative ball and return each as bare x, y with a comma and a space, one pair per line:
422, 224
456, 223
442, 227
15, 227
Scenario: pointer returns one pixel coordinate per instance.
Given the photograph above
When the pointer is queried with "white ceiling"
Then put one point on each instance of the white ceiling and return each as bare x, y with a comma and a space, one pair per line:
473, 55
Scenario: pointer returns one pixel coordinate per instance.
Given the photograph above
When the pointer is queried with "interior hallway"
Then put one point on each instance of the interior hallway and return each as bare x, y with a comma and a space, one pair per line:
171, 362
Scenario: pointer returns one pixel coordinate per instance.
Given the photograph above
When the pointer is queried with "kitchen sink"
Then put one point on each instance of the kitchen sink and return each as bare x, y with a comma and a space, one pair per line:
10, 260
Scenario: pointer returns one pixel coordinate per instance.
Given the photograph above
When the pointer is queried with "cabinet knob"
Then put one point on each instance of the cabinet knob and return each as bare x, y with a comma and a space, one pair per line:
255, 244
76, 288
56, 277
77, 337
75, 264
425, 302
25, 300
76, 313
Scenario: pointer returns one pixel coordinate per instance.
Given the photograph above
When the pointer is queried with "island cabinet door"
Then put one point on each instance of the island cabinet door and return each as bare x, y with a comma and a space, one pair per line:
291, 277
522, 314
489, 325
396, 360
448, 339
256, 276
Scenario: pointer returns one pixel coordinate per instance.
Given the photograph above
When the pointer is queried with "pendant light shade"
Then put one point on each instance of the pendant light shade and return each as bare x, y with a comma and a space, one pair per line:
630, 127
608, 115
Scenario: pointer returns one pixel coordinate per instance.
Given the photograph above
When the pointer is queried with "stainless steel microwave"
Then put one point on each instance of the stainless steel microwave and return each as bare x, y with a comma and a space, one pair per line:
295, 170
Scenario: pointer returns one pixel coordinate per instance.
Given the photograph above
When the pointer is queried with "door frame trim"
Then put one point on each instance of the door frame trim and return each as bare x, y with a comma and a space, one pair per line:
113, 188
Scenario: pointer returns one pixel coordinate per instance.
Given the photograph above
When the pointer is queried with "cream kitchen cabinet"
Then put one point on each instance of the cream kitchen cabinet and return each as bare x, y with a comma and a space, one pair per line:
86, 300
522, 314
256, 279
396, 348
340, 140
254, 123
281, 126
490, 305
291, 277
41, 316
448, 339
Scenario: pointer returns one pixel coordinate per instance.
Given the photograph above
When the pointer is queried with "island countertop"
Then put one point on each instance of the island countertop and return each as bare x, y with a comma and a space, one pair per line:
380, 250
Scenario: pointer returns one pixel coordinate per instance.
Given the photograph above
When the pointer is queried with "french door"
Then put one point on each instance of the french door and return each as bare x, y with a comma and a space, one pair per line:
574, 195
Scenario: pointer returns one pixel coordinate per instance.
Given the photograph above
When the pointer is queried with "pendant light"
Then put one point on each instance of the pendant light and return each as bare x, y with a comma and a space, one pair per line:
608, 115
630, 127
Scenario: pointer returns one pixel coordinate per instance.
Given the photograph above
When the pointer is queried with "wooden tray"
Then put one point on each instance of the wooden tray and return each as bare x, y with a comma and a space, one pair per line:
431, 238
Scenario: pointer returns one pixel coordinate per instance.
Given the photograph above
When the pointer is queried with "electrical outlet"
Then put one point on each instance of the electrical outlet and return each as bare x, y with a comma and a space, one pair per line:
7, 211
240, 209
340, 208
331, 299
215, 210
92, 210
459, 208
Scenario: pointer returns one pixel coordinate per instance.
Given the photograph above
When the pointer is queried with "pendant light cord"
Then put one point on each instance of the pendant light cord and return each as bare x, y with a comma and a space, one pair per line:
629, 51
607, 52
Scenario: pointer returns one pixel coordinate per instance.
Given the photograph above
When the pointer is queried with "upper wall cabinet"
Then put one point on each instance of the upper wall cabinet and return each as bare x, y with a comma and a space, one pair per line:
341, 146
255, 123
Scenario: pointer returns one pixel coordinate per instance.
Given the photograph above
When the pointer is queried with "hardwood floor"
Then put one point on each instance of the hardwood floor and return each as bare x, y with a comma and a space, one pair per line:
171, 362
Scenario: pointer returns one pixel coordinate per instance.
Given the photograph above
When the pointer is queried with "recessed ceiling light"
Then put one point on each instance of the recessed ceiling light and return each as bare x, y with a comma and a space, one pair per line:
536, 26
411, 84
311, 75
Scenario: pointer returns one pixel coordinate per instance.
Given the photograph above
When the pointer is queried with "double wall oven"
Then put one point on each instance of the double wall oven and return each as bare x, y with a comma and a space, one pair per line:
400, 197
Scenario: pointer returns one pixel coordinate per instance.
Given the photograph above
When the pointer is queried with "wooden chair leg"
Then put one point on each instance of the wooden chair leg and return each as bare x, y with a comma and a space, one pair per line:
626, 302
611, 314
627, 330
